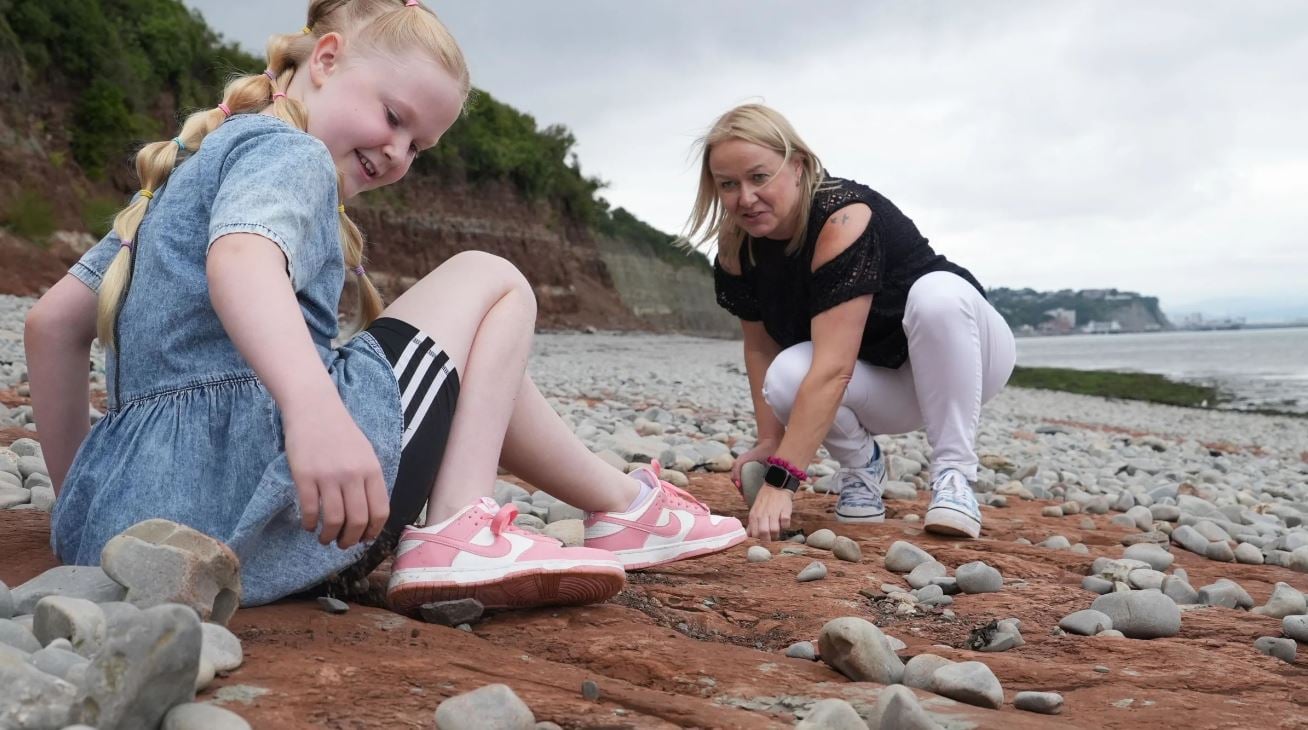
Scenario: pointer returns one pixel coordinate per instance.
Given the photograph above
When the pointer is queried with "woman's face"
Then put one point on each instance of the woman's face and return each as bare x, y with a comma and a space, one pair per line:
757, 191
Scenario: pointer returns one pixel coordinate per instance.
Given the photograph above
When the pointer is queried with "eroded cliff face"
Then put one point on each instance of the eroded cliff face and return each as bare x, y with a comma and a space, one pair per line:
668, 297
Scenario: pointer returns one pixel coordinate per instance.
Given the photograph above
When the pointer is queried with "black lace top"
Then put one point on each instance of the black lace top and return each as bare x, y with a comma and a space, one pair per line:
785, 293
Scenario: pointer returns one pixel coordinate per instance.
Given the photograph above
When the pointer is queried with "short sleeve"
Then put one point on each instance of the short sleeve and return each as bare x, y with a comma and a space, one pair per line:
95, 262
281, 186
735, 294
853, 273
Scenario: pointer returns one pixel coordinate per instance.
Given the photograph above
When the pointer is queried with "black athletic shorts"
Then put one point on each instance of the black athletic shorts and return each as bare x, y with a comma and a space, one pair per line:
429, 390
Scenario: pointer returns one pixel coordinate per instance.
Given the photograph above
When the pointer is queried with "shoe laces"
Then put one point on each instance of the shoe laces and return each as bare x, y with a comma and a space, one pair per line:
952, 486
502, 522
857, 487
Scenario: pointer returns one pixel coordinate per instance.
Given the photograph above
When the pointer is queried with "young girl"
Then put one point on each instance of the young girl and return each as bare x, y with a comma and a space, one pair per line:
231, 412
853, 325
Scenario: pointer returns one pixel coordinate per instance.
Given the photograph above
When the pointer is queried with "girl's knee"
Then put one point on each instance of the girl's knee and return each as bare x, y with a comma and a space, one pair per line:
493, 271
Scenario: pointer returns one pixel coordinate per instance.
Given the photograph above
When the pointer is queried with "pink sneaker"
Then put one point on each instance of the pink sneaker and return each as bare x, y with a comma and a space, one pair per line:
479, 553
670, 525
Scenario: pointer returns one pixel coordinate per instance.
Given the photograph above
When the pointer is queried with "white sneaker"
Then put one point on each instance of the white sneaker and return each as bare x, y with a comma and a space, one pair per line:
953, 509
860, 491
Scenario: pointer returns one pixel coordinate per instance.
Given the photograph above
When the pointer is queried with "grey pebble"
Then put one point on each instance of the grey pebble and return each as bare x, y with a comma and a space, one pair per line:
1225, 593
802, 650
203, 716
919, 669
1141, 614
590, 690
79, 581
1283, 649
18, 636
1095, 584
922, 575
815, 570
898, 708
1087, 622
1249, 554
902, 557
847, 550
969, 682
333, 605
823, 539
1045, 703
493, 707
758, 554
452, 613
831, 714
977, 577
1157, 557
857, 649
1296, 627
1284, 601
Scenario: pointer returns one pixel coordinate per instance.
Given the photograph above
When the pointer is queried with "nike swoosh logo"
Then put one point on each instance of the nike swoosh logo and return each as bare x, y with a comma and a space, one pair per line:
669, 528
499, 549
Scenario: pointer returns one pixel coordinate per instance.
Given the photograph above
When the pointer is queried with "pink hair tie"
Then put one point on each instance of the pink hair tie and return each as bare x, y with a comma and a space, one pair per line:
410, 3
358, 270
129, 244
279, 95
226, 110
269, 73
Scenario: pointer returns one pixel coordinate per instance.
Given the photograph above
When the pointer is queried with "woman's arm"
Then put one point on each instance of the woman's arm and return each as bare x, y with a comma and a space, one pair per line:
57, 337
837, 335
332, 462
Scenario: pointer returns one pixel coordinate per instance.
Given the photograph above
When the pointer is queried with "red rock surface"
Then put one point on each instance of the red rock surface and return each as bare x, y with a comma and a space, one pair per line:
690, 643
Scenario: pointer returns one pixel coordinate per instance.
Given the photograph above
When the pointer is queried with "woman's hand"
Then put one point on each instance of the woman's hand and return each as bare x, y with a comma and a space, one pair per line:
336, 471
761, 451
771, 513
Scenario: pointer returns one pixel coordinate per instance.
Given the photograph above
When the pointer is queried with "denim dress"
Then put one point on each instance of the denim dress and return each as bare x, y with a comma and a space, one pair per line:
191, 434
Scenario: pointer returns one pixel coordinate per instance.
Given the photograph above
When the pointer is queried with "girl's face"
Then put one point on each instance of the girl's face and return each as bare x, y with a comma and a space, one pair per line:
375, 111
757, 191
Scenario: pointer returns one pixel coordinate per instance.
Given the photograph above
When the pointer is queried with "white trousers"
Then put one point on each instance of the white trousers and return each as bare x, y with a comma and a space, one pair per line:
960, 354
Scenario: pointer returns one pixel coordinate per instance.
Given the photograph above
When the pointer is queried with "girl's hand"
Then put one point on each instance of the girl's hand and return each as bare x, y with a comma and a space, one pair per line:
771, 513
336, 470
761, 451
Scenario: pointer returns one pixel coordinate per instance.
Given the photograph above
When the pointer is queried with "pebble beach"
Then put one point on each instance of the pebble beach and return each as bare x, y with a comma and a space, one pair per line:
1123, 497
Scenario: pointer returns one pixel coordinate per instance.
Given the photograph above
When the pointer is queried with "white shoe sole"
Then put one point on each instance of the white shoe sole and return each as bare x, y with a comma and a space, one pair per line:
539, 583
951, 522
647, 557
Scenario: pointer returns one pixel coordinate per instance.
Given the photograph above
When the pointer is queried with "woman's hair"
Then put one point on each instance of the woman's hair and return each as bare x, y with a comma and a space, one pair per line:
384, 25
765, 127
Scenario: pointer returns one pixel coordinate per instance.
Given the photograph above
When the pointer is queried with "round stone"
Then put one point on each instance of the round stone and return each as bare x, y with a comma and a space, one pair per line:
969, 682
1045, 703
758, 554
977, 577
1141, 614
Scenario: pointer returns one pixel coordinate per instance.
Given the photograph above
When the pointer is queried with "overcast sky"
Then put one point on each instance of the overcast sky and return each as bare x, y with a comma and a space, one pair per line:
1158, 147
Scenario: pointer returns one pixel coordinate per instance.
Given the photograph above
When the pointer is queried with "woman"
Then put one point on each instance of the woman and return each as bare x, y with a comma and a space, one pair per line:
853, 325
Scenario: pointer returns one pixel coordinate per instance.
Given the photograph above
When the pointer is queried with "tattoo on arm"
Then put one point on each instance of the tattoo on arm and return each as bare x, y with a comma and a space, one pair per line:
833, 221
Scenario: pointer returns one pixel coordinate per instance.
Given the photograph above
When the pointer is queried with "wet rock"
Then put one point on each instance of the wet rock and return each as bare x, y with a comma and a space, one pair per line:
902, 557
1283, 649
1087, 622
1141, 614
898, 708
857, 649
970, 682
78, 581
1045, 703
203, 716
147, 665
977, 577
815, 570
493, 707
758, 554
832, 714
847, 550
163, 562
452, 613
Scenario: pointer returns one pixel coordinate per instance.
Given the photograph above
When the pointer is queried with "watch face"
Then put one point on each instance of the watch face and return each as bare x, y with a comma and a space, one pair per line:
780, 478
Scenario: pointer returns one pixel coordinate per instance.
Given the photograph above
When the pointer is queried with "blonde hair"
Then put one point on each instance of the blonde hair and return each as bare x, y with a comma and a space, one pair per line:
763, 126
376, 24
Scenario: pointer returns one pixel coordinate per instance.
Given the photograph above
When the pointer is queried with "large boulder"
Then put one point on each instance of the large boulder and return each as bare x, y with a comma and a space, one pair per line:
163, 562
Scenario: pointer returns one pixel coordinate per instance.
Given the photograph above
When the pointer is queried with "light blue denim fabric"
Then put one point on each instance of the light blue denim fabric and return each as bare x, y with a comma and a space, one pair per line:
191, 434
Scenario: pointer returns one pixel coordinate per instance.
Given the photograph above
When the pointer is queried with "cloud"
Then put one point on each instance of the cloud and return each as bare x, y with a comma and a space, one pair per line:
1156, 147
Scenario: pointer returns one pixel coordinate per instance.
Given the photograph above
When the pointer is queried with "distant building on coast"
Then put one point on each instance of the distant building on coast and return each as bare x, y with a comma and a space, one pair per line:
1199, 322
1058, 321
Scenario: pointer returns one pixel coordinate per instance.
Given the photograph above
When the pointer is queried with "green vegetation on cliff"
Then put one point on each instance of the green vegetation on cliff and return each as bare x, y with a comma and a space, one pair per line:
131, 67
